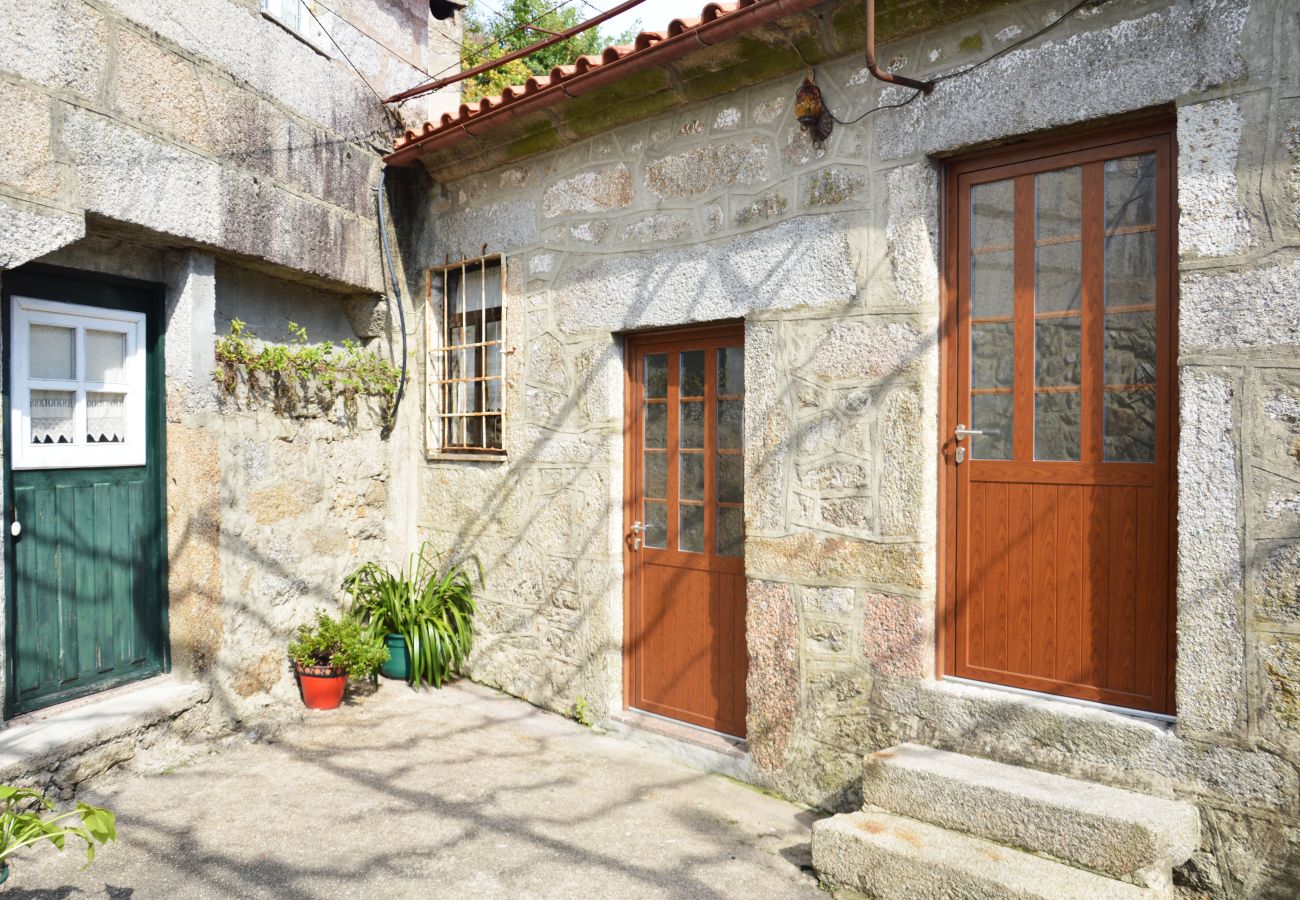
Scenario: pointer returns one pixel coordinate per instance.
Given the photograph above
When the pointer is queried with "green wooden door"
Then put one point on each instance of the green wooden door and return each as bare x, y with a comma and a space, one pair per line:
85, 552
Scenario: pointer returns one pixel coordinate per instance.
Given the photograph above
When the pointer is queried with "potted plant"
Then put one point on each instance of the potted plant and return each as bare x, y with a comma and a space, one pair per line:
328, 652
424, 612
23, 823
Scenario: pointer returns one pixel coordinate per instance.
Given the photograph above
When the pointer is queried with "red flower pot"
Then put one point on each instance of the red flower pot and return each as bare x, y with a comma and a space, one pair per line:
322, 686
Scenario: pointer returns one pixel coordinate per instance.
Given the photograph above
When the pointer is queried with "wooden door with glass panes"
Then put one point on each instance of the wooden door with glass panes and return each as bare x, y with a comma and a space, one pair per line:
85, 551
685, 634
1060, 442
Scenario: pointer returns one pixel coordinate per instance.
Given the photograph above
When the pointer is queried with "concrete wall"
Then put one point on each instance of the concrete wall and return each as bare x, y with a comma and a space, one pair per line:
831, 256
204, 147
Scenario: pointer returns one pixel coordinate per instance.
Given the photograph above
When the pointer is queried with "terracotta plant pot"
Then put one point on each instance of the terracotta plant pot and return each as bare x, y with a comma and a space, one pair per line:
322, 686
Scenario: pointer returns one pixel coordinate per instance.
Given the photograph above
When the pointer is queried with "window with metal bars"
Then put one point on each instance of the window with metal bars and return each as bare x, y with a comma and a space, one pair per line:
470, 383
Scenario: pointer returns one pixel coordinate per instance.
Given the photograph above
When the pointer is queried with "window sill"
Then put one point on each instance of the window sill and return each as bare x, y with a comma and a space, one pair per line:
296, 33
447, 456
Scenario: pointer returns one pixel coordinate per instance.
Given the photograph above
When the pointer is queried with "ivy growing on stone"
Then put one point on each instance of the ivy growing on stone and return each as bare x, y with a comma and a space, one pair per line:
301, 368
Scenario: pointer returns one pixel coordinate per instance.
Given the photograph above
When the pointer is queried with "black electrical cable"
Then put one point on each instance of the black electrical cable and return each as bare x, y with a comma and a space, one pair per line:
395, 296
1007, 49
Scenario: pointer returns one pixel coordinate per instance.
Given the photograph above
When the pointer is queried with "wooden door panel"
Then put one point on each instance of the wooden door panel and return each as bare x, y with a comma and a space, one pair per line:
1060, 524
685, 654
1067, 595
86, 574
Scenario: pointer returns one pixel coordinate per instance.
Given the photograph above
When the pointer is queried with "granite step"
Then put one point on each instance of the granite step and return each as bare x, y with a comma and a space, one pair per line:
891, 857
1115, 832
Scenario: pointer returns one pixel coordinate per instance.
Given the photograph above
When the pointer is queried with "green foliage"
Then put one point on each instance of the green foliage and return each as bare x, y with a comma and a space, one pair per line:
347, 369
488, 36
430, 605
581, 712
23, 823
344, 644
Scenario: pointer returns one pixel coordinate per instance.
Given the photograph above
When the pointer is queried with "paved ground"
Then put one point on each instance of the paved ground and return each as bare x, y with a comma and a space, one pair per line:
455, 793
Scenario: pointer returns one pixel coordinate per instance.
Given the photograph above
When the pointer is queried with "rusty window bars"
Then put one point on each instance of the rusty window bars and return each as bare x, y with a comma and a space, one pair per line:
466, 363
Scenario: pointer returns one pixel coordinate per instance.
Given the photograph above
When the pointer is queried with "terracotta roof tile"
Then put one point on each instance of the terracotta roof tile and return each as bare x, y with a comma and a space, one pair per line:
580, 67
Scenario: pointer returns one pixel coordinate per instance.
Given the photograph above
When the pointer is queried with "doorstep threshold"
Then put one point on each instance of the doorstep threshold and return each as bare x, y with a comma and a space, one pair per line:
1162, 718
705, 738
87, 721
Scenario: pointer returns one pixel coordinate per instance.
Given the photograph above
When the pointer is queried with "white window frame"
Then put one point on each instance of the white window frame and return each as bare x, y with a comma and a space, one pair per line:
295, 16
132, 451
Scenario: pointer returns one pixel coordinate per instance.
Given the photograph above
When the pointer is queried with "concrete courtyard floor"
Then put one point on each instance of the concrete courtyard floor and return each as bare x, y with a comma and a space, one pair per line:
460, 793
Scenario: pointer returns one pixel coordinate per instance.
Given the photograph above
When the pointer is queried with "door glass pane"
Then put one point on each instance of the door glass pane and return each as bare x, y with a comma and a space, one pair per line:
656, 524
1129, 409
992, 290
1130, 426
1058, 352
51, 352
690, 469
691, 432
731, 371
991, 414
656, 375
690, 528
992, 362
52, 416
105, 355
692, 374
992, 208
731, 531
1129, 399
992, 296
731, 478
105, 417
1058, 323
1056, 426
656, 425
1131, 269
1058, 196
1131, 191
731, 421
656, 475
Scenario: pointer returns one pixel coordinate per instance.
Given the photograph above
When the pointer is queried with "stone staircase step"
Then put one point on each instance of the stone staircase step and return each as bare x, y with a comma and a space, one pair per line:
886, 856
1116, 832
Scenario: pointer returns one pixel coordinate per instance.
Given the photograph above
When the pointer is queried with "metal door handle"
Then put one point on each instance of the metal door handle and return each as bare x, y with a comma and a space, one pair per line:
637, 530
961, 432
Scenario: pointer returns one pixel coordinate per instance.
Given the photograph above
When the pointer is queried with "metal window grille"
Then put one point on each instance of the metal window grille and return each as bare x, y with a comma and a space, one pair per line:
467, 360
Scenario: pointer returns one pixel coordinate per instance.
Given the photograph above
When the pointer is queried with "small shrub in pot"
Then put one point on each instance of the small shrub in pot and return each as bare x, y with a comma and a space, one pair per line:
327, 652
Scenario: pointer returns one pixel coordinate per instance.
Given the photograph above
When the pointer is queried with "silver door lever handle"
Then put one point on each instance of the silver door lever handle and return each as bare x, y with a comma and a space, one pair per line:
637, 529
961, 432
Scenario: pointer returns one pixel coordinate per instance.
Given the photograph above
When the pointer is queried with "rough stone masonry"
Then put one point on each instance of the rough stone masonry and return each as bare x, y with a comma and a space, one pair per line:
724, 209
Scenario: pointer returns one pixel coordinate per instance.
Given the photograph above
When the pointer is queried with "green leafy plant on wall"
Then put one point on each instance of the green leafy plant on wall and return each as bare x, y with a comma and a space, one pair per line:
290, 369
23, 823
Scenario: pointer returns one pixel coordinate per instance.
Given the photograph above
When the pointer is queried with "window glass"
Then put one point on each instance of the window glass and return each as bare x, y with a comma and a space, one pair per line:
473, 364
53, 352
992, 297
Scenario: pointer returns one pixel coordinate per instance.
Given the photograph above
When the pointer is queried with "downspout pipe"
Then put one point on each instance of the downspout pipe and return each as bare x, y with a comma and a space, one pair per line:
395, 296
873, 67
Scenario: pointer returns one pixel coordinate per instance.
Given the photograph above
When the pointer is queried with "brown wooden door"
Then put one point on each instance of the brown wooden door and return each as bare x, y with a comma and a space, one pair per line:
1062, 358
684, 507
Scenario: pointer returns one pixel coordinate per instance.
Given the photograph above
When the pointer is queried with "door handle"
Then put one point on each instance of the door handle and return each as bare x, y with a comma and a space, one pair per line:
961, 432
637, 530
15, 526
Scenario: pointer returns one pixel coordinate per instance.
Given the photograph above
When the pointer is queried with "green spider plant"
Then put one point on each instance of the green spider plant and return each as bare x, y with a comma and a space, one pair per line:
430, 605
23, 823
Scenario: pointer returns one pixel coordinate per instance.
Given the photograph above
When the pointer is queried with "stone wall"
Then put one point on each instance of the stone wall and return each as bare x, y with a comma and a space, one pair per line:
831, 257
204, 147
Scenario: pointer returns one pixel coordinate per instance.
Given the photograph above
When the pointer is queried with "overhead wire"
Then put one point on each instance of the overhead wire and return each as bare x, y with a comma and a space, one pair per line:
941, 78
499, 42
